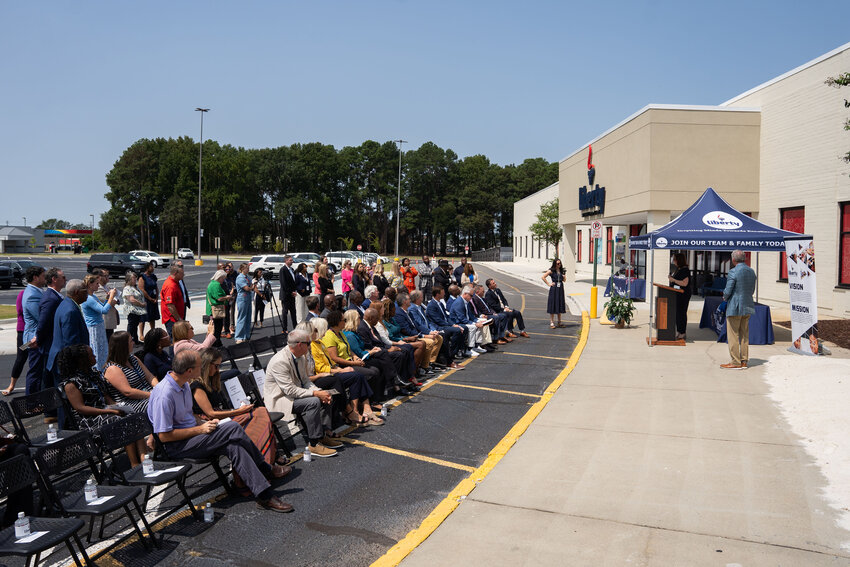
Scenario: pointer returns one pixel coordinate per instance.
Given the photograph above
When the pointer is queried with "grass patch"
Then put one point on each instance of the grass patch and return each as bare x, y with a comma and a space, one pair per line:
8, 312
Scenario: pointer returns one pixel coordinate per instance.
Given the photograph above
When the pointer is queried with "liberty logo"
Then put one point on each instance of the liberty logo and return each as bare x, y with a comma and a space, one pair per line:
721, 220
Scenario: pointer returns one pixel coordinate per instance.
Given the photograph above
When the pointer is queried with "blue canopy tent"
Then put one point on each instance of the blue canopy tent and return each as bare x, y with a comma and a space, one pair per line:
711, 224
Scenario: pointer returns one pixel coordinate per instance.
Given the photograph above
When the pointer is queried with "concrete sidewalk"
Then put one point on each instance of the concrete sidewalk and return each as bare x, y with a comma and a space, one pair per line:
649, 456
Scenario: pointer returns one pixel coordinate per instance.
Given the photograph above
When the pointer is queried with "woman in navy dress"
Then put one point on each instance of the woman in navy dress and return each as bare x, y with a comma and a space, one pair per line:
557, 303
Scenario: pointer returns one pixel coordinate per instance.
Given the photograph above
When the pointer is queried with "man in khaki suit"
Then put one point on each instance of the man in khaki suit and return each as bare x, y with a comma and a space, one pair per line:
287, 378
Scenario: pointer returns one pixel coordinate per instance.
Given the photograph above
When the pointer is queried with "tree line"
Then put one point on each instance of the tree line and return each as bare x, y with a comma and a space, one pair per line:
313, 197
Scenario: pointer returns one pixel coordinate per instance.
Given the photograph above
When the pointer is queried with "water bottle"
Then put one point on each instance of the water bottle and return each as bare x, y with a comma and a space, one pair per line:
52, 434
308, 456
22, 526
147, 464
90, 491
384, 410
209, 514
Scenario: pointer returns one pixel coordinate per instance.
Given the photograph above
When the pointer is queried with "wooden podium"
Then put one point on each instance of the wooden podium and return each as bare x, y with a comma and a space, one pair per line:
665, 316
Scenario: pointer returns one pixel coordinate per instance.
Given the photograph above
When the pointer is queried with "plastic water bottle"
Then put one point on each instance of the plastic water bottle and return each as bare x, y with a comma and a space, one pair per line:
384, 410
209, 514
22, 526
308, 456
52, 433
90, 491
147, 464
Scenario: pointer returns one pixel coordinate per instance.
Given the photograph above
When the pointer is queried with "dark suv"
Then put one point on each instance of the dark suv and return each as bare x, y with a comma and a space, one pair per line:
17, 271
5, 277
116, 264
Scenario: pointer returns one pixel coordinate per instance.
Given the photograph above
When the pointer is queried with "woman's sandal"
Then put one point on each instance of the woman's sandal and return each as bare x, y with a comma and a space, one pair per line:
374, 420
551, 325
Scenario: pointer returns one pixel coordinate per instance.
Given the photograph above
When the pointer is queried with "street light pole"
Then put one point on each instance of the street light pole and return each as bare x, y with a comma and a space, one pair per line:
398, 201
92, 231
25, 221
200, 171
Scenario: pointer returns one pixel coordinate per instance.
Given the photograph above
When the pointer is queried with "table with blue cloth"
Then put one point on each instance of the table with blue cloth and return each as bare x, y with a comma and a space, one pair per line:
761, 324
621, 286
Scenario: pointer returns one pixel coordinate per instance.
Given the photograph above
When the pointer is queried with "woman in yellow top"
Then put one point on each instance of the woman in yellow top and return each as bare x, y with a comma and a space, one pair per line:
358, 410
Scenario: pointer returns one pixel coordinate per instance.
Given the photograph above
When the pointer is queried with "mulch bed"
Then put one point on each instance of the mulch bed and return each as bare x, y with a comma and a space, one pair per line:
833, 330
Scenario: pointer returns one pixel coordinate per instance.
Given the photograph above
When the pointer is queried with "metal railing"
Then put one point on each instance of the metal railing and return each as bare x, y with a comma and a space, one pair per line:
496, 254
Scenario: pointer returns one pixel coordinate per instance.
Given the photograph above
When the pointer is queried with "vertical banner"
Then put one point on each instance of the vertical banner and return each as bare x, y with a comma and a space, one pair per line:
802, 287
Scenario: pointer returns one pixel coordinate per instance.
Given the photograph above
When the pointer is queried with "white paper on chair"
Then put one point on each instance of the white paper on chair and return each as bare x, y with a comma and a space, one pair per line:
32, 537
99, 501
260, 379
235, 391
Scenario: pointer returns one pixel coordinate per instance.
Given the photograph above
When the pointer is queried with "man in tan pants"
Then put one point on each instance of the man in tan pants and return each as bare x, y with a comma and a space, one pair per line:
740, 286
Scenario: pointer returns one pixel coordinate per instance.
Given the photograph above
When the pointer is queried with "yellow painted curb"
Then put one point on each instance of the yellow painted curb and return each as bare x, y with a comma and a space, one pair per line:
402, 549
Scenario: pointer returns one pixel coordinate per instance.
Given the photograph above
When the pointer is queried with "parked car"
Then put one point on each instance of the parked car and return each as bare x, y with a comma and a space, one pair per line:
185, 254
117, 264
25, 263
271, 263
310, 259
17, 271
5, 277
153, 257
337, 258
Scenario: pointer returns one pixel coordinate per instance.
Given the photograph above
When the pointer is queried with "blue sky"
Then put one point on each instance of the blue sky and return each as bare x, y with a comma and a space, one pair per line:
83, 80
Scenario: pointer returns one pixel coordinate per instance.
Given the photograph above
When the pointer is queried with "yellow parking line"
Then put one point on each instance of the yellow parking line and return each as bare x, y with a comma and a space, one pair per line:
386, 449
490, 389
415, 537
536, 355
575, 294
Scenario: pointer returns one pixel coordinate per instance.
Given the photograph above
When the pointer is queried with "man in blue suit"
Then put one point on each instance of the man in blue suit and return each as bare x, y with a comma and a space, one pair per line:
740, 286
462, 313
69, 327
417, 314
29, 302
438, 318
433, 339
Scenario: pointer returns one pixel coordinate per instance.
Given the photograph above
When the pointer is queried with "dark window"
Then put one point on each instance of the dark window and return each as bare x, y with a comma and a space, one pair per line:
591, 247
793, 219
844, 246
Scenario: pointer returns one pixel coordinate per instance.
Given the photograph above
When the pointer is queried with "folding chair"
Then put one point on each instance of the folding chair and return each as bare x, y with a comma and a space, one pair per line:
261, 346
161, 454
7, 419
19, 473
37, 404
279, 341
250, 386
69, 500
235, 352
116, 435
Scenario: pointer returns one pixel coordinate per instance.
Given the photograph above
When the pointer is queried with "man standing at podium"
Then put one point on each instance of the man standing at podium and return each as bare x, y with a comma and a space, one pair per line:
740, 286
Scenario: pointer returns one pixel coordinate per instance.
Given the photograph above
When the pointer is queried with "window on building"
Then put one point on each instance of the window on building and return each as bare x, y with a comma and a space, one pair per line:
793, 219
578, 245
526, 246
591, 247
844, 247
609, 245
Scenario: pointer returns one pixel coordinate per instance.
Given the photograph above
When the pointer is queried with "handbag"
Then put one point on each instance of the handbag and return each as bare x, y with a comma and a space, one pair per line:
218, 311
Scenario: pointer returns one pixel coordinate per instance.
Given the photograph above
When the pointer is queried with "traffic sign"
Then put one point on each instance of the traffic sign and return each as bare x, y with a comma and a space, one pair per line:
359, 247
596, 229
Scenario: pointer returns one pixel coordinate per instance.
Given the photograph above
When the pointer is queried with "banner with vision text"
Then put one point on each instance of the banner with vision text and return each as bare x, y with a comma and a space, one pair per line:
802, 287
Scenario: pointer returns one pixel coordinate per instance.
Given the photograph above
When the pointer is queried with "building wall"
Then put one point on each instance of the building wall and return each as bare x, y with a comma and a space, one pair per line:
802, 139
526, 248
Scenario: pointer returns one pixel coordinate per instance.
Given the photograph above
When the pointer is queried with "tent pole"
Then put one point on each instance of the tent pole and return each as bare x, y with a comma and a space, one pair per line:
651, 287
757, 277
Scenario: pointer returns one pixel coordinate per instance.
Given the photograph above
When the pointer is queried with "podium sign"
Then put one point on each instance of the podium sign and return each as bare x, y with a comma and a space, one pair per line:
665, 314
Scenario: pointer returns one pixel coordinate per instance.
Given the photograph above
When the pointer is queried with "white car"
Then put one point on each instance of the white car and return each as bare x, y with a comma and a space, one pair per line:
152, 257
309, 259
270, 263
185, 254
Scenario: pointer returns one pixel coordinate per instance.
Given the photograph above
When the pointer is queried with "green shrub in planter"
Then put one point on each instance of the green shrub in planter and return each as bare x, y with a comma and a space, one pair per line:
620, 308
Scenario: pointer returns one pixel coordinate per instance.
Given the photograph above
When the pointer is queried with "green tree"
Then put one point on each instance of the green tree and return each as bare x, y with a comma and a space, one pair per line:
842, 80
547, 226
54, 224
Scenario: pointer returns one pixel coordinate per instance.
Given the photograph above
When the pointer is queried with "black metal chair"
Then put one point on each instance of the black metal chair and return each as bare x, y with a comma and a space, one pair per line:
35, 405
19, 473
161, 454
7, 419
279, 341
242, 350
249, 385
116, 435
68, 499
262, 346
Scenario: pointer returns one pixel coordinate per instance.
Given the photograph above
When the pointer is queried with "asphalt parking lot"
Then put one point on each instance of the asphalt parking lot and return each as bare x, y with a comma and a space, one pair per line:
349, 510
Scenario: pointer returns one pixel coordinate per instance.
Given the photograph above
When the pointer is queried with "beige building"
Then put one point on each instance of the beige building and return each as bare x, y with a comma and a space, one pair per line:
527, 248
773, 152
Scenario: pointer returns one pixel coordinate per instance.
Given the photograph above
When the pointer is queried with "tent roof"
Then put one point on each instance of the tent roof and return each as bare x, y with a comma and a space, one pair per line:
713, 224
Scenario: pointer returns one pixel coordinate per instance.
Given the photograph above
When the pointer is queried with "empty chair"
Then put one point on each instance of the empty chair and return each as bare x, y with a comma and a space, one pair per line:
36, 405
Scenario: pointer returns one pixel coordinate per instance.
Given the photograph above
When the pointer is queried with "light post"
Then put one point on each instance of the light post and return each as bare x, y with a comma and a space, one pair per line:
25, 222
92, 231
199, 261
398, 201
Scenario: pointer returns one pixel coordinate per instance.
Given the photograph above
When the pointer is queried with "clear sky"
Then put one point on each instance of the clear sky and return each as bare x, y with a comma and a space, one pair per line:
80, 81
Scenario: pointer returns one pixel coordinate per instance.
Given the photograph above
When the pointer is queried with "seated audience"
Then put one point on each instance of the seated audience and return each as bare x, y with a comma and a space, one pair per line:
184, 337
497, 303
156, 358
128, 381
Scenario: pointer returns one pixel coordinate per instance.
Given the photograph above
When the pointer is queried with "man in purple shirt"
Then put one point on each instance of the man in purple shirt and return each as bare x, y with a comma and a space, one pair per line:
170, 412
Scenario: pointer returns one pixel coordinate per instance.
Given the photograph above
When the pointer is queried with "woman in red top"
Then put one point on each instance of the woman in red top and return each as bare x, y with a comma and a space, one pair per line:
409, 274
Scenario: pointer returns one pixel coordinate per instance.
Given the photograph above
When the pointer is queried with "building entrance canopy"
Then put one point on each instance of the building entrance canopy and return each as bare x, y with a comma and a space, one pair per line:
713, 224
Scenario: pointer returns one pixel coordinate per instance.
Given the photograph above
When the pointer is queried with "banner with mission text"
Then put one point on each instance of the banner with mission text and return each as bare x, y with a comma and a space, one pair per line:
802, 287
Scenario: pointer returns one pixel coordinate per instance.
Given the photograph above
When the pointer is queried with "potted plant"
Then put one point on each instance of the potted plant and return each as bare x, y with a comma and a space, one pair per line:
620, 310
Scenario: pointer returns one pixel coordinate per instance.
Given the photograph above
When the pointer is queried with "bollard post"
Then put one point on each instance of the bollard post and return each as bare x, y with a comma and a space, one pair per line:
593, 292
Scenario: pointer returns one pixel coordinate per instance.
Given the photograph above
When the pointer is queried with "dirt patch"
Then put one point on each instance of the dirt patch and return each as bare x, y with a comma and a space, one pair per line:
833, 330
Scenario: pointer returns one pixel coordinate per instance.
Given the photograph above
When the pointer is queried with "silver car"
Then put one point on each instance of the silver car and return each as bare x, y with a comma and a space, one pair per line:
152, 257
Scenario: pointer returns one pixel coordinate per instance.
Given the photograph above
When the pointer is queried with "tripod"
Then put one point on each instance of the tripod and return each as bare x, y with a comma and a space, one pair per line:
274, 307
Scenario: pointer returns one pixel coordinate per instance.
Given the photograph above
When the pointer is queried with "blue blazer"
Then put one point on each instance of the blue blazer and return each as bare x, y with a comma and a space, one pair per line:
450, 300
740, 286
437, 315
419, 320
69, 328
50, 300
405, 323
462, 313
30, 301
